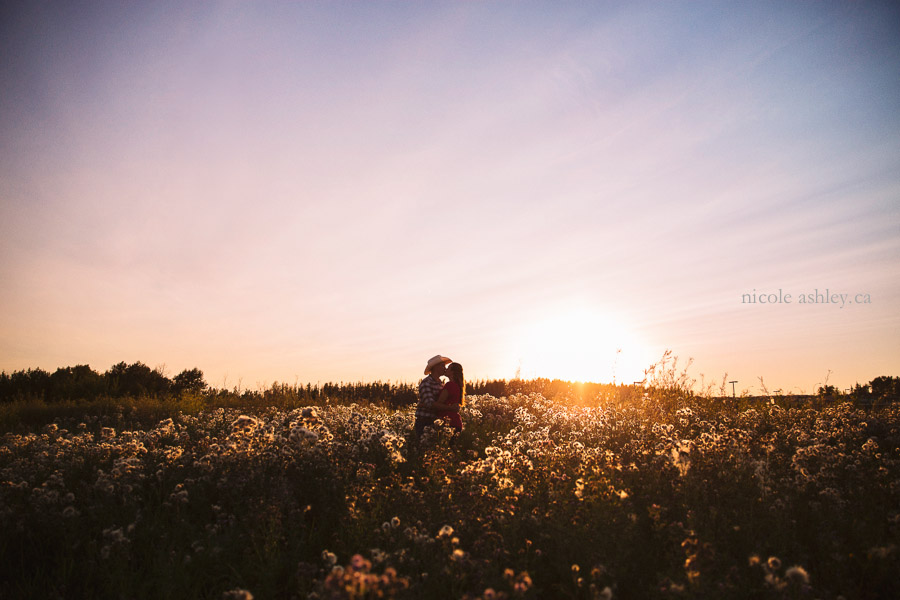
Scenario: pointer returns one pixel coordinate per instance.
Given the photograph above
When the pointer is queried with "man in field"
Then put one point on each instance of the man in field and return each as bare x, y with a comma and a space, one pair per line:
429, 390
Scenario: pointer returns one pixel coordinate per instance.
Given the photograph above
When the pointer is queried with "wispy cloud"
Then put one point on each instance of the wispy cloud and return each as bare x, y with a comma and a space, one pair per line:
330, 191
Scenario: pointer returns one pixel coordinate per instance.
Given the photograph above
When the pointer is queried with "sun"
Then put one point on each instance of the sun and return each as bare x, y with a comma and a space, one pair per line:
580, 344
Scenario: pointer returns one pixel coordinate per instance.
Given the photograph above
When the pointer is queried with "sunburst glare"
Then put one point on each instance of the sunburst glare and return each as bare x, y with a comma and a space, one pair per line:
581, 344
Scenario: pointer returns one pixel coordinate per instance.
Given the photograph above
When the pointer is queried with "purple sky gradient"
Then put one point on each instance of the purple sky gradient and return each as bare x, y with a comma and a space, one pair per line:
338, 191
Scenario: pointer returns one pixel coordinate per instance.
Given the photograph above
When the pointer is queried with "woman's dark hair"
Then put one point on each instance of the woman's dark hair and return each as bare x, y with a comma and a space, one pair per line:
455, 373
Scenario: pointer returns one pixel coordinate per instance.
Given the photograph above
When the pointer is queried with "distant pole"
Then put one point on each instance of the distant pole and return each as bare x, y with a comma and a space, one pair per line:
732, 388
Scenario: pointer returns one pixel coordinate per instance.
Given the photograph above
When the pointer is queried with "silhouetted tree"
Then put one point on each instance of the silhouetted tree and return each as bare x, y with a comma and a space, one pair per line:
136, 380
189, 380
24, 385
885, 389
75, 383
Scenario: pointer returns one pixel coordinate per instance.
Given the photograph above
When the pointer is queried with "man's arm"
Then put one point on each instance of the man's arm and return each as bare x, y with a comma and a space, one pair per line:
426, 394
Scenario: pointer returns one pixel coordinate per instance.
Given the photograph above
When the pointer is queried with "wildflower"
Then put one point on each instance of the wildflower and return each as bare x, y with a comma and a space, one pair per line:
774, 563
395, 522
329, 557
445, 532
244, 425
881, 551
604, 594
359, 563
114, 535
237, 594
523, 583
579, 488
681, 456
797, 575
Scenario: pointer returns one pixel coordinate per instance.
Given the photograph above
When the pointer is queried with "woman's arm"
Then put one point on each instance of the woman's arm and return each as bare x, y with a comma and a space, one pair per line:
441, 403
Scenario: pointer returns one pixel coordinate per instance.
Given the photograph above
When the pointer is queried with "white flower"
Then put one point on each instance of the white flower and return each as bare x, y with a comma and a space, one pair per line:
797, 575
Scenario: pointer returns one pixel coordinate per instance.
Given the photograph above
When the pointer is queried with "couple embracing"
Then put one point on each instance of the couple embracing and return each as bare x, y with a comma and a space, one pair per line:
438, 400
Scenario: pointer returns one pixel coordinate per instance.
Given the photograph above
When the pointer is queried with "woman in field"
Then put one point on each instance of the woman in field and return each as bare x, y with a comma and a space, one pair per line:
452, 397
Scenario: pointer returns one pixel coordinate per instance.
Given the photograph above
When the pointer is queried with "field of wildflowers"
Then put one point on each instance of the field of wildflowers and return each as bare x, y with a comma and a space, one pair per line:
662, 496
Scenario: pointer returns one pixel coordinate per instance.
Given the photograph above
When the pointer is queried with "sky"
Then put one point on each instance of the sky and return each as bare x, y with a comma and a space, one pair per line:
337, 191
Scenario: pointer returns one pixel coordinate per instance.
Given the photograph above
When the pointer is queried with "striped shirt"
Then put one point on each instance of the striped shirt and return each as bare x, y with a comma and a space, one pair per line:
429, 390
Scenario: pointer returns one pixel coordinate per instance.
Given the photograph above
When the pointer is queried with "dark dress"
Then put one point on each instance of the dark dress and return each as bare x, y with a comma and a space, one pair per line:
452, 417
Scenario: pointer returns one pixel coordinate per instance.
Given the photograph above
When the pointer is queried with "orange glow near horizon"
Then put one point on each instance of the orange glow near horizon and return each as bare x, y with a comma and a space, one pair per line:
581, 344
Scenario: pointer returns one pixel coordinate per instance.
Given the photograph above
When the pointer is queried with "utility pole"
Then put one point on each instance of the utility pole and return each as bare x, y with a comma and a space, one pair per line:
732, 388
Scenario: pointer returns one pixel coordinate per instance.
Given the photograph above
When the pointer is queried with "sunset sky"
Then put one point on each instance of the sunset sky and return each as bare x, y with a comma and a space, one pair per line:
338, 191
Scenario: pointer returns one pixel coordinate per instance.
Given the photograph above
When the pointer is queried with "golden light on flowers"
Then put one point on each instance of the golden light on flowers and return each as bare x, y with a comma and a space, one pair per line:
366, 526
581, 343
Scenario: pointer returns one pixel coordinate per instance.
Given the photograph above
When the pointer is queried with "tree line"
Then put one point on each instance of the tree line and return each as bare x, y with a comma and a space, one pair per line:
880, 390
137, 380
81, 382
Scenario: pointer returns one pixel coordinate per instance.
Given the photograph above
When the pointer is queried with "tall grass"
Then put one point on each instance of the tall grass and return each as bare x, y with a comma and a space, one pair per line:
644, 494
